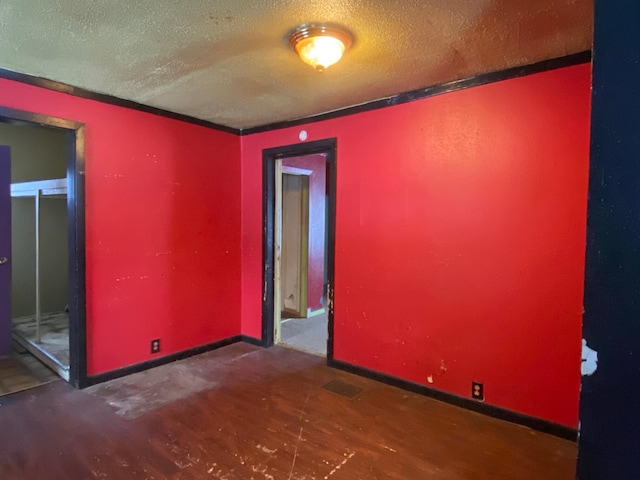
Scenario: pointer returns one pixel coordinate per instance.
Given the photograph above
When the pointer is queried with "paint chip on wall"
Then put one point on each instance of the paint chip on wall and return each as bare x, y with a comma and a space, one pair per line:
589, 359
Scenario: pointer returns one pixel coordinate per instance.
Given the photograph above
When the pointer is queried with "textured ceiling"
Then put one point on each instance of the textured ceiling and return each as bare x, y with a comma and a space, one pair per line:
228, 61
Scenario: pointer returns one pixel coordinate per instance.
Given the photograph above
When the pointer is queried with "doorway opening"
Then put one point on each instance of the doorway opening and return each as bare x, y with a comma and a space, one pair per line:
298, 244
47, 293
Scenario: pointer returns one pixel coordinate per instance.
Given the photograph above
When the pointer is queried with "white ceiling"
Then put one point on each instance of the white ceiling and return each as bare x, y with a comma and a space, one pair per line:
229, 62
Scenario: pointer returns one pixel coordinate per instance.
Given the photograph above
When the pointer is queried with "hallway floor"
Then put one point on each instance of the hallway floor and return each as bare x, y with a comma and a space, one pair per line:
306, 334
243, 412
21, 371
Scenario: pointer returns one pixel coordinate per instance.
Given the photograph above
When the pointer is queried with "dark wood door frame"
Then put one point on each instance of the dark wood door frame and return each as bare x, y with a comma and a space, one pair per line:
75, 136
269, 157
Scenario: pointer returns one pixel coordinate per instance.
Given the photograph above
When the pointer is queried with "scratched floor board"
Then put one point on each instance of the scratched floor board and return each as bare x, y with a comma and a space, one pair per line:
254, 414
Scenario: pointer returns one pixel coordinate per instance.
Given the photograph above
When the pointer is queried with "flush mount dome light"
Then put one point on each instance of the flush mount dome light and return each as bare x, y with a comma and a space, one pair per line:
320, 45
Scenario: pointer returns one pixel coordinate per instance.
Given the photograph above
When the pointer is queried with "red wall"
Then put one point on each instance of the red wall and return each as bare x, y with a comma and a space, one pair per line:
460, 237
317, 194
162, 228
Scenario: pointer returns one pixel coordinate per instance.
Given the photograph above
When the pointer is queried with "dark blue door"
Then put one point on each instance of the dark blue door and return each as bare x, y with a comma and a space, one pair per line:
5, 251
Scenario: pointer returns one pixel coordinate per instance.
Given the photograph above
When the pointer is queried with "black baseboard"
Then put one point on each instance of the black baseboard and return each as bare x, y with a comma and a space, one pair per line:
467, 403
538, 424
253, 341
139, 367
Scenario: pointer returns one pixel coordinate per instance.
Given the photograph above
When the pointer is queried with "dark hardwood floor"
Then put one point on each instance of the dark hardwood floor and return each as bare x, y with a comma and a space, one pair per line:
242, 412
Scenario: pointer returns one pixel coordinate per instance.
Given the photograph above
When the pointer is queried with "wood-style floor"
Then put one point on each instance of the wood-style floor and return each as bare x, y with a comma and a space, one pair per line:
20, 371
242, 412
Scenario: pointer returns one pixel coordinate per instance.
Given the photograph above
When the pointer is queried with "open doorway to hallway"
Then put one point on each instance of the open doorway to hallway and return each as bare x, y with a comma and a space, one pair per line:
302, 260
299, 246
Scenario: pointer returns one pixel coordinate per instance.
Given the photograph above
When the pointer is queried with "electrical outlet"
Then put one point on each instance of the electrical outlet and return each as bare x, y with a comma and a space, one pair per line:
155, 345
477, 391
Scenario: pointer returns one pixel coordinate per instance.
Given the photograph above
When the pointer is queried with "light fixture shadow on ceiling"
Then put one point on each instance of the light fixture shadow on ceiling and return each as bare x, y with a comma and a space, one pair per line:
320, 44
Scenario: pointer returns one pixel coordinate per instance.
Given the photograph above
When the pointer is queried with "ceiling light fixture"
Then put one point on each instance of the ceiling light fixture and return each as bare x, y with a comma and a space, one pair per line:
320, 45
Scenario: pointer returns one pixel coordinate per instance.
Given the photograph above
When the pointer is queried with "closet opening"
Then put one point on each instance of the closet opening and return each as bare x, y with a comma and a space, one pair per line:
46, 225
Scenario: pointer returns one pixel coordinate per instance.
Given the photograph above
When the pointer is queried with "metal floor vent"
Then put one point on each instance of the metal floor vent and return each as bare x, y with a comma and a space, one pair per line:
342, 388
